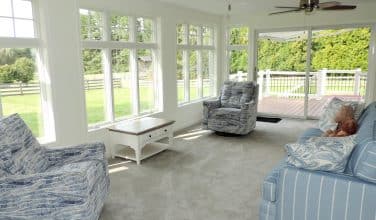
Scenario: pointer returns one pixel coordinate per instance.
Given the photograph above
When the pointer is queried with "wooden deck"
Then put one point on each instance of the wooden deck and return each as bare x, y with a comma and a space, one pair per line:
294, 107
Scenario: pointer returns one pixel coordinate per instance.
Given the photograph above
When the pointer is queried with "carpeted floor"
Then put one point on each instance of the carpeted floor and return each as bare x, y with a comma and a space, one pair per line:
204, 176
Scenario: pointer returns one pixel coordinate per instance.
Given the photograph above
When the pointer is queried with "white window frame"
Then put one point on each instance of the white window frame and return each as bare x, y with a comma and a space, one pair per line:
186, 48
45, 91
35, 18
230, 48
106, 45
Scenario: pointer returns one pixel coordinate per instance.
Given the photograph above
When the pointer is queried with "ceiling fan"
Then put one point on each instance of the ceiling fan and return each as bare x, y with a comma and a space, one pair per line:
310, 5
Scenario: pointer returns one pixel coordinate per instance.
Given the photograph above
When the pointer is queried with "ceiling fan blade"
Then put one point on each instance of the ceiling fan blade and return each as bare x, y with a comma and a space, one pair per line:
340, 7
282, 12
329, 4
288, 7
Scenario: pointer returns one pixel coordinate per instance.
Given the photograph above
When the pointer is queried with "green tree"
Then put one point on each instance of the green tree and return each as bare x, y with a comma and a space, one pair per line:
7, 74
24, 70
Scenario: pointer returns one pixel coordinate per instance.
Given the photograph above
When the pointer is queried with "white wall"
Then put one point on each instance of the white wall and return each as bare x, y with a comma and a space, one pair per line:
364, 14
61, 40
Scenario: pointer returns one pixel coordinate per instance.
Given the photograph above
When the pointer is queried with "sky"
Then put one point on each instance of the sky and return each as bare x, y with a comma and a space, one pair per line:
16, 19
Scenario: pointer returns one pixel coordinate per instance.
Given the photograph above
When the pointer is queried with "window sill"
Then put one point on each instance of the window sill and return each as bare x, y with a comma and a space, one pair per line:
105, 125
195, 101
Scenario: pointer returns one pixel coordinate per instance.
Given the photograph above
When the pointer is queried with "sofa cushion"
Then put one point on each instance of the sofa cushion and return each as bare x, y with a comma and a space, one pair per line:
29, 158
321, 153
362, 163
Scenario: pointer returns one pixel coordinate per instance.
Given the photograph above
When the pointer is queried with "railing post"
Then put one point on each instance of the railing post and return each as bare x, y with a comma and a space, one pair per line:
21, 89
267, 83
358, 73
260, 82
321, 82
240, 76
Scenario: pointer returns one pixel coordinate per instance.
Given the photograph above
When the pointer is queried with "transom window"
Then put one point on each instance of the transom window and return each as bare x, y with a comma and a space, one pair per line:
121, 80
16, 19
195, 62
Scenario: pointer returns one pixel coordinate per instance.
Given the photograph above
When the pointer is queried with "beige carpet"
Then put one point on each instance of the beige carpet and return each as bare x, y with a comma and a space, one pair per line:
204, 176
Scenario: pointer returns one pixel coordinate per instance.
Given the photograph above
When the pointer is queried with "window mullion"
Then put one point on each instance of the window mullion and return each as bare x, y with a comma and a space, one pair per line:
134, 82
199, 73
186, 75
13, 19
107, 60
211, 73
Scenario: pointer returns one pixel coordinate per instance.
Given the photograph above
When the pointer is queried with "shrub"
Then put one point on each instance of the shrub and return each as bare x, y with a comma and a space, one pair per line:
24, 70
7, 74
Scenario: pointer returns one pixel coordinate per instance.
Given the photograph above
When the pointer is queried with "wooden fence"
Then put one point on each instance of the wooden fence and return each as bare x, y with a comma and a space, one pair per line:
15, 89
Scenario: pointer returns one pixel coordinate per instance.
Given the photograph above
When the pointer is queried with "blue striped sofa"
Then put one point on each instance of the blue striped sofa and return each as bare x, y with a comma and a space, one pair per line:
289, 193
49, 183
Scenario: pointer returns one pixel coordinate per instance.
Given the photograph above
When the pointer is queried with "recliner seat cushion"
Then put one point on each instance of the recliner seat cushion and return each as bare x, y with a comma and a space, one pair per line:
225, 113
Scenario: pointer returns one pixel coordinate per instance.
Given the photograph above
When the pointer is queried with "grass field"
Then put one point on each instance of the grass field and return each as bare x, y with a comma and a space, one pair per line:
29, 107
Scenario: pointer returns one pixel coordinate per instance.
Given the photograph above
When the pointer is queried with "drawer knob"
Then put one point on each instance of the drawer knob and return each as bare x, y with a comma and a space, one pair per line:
165, 130
149, 135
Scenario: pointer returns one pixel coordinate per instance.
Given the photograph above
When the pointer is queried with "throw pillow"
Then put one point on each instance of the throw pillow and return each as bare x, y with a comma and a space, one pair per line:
321, 153
327, 119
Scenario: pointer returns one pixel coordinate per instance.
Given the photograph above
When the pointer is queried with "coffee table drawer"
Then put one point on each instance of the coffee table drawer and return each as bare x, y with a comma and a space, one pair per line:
156, 134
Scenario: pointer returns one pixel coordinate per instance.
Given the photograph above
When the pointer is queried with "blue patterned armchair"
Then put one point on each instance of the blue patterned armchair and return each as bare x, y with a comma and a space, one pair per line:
49, 183
235, 111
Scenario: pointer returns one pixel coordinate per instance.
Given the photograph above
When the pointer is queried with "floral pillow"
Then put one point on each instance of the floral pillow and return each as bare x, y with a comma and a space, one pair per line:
327, 119
321, 153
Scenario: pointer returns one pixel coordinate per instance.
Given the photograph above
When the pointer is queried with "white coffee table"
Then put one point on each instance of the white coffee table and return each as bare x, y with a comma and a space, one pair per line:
142, 136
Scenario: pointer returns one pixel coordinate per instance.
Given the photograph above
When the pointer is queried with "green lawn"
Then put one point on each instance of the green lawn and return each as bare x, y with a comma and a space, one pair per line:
28, 106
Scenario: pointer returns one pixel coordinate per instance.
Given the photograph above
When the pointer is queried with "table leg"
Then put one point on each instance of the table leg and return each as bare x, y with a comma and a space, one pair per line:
138, 154
112, 149
170, 139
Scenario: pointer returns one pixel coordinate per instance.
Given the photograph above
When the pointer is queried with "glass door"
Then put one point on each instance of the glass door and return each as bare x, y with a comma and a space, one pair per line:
298, 82
339, 66
282, 64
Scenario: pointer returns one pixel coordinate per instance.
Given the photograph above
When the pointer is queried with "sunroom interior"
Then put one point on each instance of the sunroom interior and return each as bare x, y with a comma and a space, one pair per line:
97, 63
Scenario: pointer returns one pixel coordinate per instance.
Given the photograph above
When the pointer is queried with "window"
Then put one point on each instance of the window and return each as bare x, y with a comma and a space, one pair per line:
237, 53
16, 19
195, 62
120, 28
119, 66
91, 25
20, 86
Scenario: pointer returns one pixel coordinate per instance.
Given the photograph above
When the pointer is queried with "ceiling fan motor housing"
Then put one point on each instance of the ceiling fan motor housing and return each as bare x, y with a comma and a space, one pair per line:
309, 5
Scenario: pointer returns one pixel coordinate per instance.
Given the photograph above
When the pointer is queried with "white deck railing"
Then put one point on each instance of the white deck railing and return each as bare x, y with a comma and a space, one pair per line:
321, 83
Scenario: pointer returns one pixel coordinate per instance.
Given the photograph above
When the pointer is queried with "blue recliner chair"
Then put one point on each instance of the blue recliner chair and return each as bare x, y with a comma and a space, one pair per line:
235, 111
49, 183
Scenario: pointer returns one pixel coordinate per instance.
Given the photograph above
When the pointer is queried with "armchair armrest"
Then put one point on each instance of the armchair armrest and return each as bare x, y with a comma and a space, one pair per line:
209, 105
249, 107
212, 104
82, 152
49, 193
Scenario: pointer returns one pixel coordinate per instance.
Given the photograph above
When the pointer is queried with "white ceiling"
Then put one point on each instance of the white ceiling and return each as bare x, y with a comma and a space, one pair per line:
243, 6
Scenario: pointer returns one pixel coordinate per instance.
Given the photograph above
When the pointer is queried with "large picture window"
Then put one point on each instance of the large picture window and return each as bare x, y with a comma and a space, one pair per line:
119, 66
20, 86
195, 62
